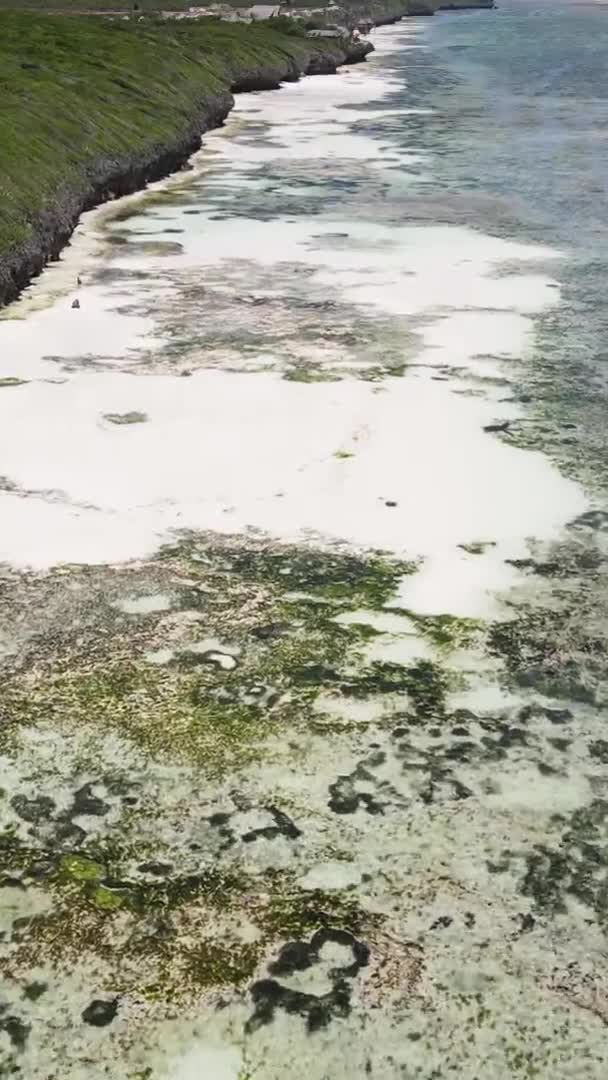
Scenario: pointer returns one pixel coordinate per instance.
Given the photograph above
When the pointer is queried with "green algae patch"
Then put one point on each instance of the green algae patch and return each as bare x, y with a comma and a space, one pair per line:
79, 868
363, 631
169, 714
80, 878
215, 888
153, 948
292, 912
309, 373
216, 963
203, 782
168, 882
106, 900
361, 581
450, 631
276, 604
445, 632
170, 942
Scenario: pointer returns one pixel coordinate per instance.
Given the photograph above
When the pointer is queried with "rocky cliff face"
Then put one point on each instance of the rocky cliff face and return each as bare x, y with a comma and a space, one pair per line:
106, 180
430, 7
461, 5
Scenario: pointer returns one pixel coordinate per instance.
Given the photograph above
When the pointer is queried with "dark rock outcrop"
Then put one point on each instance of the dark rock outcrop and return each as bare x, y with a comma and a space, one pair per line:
465, 5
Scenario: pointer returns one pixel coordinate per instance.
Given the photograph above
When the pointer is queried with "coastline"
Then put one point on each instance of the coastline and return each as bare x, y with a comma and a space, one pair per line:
116, 175
107, 180
277, 787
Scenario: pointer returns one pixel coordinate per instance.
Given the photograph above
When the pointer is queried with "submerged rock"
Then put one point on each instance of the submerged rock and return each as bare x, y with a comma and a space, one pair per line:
38, 808
126, 418
100, 1013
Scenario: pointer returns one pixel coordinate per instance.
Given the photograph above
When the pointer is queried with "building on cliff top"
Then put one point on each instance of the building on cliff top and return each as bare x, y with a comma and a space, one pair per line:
259, 12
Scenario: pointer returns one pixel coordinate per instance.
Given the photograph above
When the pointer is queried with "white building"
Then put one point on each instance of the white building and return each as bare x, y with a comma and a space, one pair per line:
259, 12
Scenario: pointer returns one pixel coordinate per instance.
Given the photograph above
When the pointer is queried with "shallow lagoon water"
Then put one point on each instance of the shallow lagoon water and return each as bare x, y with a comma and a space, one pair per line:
367, 836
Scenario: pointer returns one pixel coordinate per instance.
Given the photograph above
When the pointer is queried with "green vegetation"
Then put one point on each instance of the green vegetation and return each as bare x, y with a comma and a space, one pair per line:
86, 98
188, 709
367, 581
136, 7
78, 868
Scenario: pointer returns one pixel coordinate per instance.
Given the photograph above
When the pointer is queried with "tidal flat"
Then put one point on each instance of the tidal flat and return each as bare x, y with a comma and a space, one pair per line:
302, 610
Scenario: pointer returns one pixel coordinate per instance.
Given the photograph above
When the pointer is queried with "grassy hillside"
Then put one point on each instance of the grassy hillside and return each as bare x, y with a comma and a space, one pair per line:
144, 6
96, 5
79, 91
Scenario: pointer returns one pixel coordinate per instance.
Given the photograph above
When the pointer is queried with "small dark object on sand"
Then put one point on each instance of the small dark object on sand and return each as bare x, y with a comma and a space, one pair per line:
99, 1013
75, 303
504, 426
